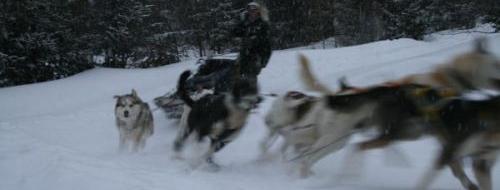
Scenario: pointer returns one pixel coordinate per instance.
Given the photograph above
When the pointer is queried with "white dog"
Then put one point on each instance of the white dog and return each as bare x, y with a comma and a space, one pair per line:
288, 117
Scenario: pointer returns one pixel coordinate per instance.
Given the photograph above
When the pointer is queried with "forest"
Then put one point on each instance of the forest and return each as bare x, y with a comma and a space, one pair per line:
42, 40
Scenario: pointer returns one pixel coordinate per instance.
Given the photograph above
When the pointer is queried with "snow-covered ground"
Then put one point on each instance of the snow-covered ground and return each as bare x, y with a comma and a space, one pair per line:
61, 134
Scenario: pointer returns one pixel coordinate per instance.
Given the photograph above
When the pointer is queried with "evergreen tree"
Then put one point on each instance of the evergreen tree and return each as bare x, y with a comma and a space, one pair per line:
37, 42
122, 29
490, 9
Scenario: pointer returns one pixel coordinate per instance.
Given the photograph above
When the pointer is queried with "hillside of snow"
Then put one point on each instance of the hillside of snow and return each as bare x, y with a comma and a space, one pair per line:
61, 134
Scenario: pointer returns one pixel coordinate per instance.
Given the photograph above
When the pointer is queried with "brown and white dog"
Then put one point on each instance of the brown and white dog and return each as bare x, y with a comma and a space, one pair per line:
379, 106
392, 109
467, 129
328, 130
476, 69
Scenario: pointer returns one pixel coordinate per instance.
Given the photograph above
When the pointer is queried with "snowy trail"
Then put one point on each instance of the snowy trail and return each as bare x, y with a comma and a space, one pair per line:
61, 134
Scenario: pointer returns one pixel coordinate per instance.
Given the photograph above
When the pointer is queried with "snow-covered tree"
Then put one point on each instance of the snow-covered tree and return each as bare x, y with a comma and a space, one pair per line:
38, 42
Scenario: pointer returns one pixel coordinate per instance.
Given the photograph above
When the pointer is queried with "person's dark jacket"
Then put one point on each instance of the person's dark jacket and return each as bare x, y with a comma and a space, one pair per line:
255, 47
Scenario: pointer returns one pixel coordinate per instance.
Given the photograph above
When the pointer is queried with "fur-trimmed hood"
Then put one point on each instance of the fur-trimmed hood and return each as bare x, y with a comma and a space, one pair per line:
264, 12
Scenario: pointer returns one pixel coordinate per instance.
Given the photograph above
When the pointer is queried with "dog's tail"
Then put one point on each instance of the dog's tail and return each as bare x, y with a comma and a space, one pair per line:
308, 78
181, 89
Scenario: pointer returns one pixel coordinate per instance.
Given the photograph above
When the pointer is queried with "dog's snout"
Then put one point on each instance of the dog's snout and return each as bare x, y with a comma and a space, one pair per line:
125, 113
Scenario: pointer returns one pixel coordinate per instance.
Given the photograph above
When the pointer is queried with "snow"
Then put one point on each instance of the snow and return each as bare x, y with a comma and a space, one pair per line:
61, 134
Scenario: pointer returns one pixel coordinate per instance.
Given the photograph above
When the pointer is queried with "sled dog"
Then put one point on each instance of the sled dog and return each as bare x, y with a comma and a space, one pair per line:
477, 69
290, 117
133, 120
294, 116
405, 111
467, 129
392, 109
219, 117
200, 93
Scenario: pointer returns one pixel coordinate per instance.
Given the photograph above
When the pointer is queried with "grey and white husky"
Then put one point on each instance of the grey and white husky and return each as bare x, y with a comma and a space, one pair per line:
133, 120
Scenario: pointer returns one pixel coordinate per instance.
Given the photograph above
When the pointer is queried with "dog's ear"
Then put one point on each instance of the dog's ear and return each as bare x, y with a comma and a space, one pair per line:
116, 96
134, 93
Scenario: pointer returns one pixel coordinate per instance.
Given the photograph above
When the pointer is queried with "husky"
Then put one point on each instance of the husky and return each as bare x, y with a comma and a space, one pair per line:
467, 129
393, 110
200, 93
220, 117
134, 121
294, 116
406, 112
477, 69
288, 117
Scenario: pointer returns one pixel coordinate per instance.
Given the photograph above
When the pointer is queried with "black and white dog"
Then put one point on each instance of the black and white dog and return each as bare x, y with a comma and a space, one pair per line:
220, 117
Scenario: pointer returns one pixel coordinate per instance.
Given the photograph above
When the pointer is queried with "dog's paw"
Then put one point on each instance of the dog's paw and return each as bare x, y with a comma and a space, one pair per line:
212, 167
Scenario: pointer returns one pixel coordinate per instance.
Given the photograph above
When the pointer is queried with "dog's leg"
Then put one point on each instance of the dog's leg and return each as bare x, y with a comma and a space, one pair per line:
300, 148
458, 172
268, 140
446, 158
182, 135
122, 144
352, 165
305, 169
432, 173
142, 143
135, 145
428, 178
136, 141
215, 145
283, 149
324, 146
482, 171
